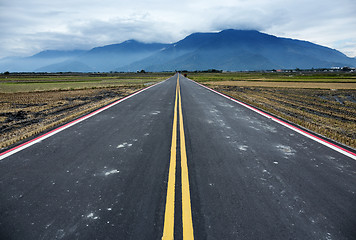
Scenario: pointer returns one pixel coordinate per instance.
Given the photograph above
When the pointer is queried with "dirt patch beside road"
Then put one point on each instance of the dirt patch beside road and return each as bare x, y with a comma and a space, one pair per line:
23, 115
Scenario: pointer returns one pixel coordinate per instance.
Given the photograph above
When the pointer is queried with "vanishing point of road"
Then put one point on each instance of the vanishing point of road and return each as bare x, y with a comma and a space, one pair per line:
178, 160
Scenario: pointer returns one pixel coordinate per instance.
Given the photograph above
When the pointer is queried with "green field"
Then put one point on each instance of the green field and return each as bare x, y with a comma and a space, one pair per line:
39, 82
328, 77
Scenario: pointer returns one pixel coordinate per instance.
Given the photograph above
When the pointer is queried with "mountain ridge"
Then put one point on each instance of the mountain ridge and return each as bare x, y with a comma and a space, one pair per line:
241, 50
230, 50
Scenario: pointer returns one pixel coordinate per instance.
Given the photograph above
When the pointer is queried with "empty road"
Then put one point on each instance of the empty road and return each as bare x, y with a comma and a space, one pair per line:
177, 160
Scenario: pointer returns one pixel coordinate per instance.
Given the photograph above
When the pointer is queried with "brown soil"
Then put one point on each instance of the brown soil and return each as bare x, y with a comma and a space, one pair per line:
25, 114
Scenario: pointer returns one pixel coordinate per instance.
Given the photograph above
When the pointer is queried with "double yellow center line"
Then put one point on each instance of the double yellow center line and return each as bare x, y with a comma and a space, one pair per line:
168, 229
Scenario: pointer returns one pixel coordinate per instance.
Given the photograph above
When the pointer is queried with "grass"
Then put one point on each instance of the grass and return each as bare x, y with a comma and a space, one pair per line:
50, 86
25, 114
322, 102
30, 83
33, 103
339, 77
315, 85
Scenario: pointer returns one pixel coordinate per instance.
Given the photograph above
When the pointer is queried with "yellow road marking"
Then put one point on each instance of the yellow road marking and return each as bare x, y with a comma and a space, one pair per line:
168, 228
186, 205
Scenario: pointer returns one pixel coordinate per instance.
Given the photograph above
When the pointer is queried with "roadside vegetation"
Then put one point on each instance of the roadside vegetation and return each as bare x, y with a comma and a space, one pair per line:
296, 76
71, 81
322, 102
33, 103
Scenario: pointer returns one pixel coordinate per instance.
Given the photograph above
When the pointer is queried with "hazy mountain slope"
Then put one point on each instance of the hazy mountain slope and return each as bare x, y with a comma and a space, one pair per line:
242, 50
109, 57
66, 66
232, 50
30, 64
105, 58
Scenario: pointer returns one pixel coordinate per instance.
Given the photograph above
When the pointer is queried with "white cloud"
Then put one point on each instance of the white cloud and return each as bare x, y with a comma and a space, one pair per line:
29, 26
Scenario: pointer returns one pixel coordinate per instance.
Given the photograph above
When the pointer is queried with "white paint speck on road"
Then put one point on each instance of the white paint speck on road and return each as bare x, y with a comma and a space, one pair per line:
111, 172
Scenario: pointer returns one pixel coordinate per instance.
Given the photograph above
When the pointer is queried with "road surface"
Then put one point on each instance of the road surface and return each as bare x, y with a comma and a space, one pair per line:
177, 160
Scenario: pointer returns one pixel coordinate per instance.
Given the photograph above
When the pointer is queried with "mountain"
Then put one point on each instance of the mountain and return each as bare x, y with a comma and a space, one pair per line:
109, 57
99, 59
239, 50
232, 50
66, 66
32, 63
48, 54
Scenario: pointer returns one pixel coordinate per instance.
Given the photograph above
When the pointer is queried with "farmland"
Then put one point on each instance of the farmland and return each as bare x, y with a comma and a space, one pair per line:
322, 102
313, 77
48, 82
31, 104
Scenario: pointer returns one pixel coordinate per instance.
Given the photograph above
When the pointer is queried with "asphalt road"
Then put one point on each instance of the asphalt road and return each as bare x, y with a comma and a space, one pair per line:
248, 177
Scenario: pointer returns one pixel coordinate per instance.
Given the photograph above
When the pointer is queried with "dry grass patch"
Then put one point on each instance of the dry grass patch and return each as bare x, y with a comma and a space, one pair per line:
318, 85
25, 114
331, 113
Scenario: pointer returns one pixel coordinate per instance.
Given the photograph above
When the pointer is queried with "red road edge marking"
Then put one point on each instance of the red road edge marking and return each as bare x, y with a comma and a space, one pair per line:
278, 120
76, 120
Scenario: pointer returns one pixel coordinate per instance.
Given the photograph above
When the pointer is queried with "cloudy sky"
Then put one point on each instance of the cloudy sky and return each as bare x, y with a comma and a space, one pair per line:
30, 26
